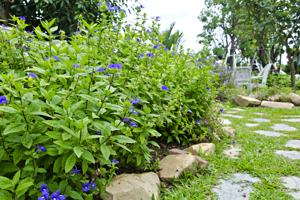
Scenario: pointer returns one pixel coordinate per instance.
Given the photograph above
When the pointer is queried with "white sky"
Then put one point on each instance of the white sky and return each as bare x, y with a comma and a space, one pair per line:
184, 12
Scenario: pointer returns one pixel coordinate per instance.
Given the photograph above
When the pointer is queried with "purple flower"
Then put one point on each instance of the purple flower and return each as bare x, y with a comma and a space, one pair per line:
148, 31
57, 196
206, 122
32, 75
101, 69
138, 39
221, 74
92, 184
221, 110
150, 55
99, 4
40, 148
133, 111
198, 121
108, 74
190, 111
166, 49
135, 101
3, 100
75, 65
114, 161
141, 55
44, 190
56, 58
157, 18
164, 88
22, 18
132, 124
126, 119
42, 198
75, 171
155, 46
141, 6
115, 66
85, 187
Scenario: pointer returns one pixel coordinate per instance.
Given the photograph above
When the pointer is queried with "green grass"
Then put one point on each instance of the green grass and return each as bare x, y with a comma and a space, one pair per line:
257, 158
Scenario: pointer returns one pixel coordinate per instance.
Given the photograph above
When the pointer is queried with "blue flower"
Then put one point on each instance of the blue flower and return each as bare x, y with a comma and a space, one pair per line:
44, 190
22, 18
133, 111
126, 119
138, 39
85, 187
190, 111
98, 132
221, 74
149, 31
157, 18
135, 101
114, 161
221, 110
155, 46
57, 196
3, 100
132, 124
141, 55
99, 4
42, 198
115, 66
101, 69
150, 55
75, 171
166, 49
32, 75
92, 184
198, 121
56, 58
40, 148
164, 88
75, 65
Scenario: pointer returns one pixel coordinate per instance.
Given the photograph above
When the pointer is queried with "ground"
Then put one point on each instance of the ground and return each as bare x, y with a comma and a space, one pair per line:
257, 159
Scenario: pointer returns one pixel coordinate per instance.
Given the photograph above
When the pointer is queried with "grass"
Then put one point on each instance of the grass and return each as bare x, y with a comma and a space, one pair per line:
257, 158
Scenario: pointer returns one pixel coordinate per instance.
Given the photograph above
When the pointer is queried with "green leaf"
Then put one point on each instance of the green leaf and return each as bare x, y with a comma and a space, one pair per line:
76, 195
14, 128
16, 178
154, 133
23, 186
41, 114
18, 154
57, 165
8, 109
5, 183
27, 140
78, 151
123, 139
105, 151
70, 131
70, 163
84, 166
5, 195
88, 156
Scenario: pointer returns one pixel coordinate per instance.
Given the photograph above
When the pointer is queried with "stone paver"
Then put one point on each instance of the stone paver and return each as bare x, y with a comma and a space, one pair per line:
283, 127
226, 122
233, 152
294, 155
233, 116
291, 116
258, 113
291, 120
269, 133
238, 187
293, 144
238, 109
261, 120
292, 183
251, 125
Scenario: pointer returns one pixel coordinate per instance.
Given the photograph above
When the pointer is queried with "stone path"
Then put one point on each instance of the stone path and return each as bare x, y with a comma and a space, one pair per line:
269, 133
292, 184
261, 120
293, 144
283, 127
291, 120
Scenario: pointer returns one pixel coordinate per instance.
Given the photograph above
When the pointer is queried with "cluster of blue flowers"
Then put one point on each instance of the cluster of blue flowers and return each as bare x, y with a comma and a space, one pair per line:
115, 66
3, 100
131, 123
32, 75
87, 186
40, 148
54, 196
165, 88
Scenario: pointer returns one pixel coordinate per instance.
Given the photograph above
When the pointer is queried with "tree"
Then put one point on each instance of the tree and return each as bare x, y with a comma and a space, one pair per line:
172, 40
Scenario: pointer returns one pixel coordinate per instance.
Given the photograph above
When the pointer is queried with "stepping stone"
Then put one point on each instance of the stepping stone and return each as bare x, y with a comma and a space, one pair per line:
258, 113
292, 183
238, 187
232, 152
233, 116
226, 122
294, 155
238, 109
292, 120
283, 127
293, 144
261, 120
291, 116
252, 125
269, 133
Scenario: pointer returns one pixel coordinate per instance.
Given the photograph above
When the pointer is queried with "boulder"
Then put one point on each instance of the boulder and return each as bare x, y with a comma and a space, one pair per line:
134, 187
177, 151
230, 132
246, 101
172, 166
295, 99
205, 148
271, 104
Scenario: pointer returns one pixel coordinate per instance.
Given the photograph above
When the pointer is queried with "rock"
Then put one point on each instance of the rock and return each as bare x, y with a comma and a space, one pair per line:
230, 132
269, 133
292, 120
225, 122
232, 152
205, 148
246, 101
133, 187
283, 127
233, 116
251, 125
293, 144
279, 98
271, 104
261, 120
293, 155
295, 99
172, 166
177, 151
292, 184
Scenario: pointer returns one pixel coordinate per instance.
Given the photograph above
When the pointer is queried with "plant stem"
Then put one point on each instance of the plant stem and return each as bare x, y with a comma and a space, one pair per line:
102, 103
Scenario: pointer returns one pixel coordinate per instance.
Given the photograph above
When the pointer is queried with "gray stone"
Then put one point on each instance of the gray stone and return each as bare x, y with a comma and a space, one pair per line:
283, 127
292, 183
261, 120
233, 116
272, 104
231, 112
177, 151
292, 120
230, 132
251, 125
226, 122
258, 113
291, 116
133, 187
238, 109
295, 99
294, 155
233, 152
172, 166
293, 144
295, 195
269, 133
238, 187
205, 148
246, 101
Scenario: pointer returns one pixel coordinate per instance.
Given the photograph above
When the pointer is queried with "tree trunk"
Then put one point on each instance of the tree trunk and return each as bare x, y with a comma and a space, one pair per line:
290, 56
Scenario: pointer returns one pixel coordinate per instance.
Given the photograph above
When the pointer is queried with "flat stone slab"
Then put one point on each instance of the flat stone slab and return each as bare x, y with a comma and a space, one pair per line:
269, 133
272, 104
133, 187
238, 109
292, 183
238, 187
291, 120
291, 116
251, 125
226, 122
293, 155
233, 152
231, 112
293, 144
283, 127
261, 120
258, 113
233, 116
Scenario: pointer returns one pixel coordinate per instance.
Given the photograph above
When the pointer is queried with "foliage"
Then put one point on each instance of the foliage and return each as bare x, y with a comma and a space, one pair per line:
74, 110
172, 40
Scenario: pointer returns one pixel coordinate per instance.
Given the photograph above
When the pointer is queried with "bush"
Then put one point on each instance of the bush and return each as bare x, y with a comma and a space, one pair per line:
71, 112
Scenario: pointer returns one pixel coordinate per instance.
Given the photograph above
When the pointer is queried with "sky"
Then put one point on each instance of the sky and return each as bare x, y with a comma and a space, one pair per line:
184, 12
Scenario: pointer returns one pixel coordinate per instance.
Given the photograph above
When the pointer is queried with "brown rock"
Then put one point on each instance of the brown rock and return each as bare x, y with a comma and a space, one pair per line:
230, 132
205, 148
295, 99
133, 187
246, 101
177, 151
271, 104
172, 166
